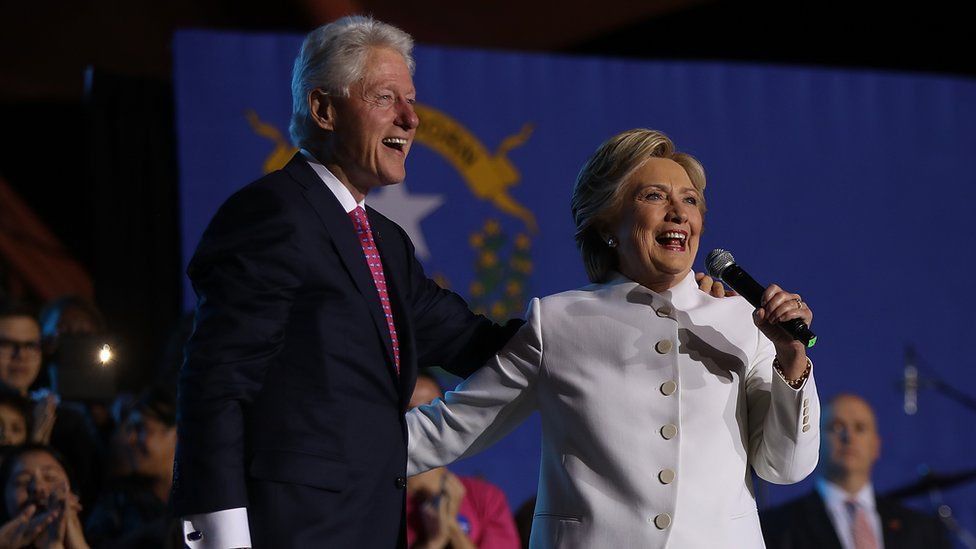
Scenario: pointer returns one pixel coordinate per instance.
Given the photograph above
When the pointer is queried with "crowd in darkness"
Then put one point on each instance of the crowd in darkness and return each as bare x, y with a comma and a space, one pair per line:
82, 464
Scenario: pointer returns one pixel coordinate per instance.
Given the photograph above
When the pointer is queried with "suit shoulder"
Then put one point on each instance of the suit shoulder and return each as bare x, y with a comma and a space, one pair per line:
272, 195
733, 305
277, 186
590, 292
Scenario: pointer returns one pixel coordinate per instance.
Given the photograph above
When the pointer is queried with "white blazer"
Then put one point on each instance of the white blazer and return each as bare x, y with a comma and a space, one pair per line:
653, 408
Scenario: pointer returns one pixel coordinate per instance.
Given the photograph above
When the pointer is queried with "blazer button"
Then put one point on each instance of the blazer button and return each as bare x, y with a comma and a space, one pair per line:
669, 431
663, 346
664, 311
806, 428
662, 521
668, 388
196, 535
401, 483
666, 476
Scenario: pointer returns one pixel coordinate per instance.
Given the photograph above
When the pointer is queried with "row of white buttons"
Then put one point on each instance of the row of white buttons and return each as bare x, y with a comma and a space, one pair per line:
669, 431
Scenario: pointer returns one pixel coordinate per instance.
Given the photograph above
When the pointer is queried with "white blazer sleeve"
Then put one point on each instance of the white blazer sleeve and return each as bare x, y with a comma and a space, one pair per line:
484, 408
784, 423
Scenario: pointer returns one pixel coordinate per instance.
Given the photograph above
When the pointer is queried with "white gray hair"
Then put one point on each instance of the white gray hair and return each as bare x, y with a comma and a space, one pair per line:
333, 57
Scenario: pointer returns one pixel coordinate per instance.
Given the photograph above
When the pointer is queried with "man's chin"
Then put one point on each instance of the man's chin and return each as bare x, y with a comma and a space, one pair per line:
387, 179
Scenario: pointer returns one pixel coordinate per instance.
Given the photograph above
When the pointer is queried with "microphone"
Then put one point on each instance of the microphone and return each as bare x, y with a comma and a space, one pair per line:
910, 383
721, 265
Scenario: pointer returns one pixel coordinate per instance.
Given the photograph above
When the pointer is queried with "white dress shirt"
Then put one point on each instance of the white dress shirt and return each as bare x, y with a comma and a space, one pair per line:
835, 497
229, 528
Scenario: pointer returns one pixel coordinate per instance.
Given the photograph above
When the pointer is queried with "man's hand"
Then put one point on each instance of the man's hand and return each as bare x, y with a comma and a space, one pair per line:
712, 287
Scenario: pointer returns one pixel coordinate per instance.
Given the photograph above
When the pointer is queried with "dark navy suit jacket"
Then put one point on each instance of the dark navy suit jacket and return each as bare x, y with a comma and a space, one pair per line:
289, 403
804, 524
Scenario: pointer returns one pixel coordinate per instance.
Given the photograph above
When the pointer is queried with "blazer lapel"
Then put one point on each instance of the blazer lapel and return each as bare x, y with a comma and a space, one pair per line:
822, 531
343, 234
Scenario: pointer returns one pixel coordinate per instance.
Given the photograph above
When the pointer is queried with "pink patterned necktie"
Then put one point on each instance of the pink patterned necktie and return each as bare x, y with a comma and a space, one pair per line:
861, 530
361, 223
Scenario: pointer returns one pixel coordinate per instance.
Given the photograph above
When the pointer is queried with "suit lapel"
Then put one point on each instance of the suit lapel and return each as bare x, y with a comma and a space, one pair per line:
343, 234
822, 529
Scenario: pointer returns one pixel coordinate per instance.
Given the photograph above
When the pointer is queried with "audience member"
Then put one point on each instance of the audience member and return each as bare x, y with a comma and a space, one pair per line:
66, 429
444, 510
14, 419
133, 512
74, 318
39, 508
70, 315
843, 511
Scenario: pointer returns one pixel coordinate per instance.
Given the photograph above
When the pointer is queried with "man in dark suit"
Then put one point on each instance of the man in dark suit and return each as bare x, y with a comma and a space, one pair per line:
843, 512
312, 320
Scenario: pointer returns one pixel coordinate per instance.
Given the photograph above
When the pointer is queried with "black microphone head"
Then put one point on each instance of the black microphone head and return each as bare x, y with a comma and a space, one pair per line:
717, 261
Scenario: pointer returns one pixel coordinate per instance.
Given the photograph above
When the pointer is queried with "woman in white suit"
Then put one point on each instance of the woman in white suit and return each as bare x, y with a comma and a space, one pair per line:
655, 397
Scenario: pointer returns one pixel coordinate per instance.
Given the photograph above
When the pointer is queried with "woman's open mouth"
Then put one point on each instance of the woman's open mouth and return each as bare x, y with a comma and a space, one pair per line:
673, 240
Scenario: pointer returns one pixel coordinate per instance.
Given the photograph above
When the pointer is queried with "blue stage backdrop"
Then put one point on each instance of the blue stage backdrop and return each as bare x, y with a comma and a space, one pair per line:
854, 189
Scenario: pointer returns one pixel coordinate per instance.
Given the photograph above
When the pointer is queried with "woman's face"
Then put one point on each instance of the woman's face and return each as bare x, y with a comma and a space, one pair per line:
13, 426
37, 478
659, 226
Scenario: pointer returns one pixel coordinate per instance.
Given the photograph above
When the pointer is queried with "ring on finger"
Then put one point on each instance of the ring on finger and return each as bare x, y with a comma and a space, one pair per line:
799, 303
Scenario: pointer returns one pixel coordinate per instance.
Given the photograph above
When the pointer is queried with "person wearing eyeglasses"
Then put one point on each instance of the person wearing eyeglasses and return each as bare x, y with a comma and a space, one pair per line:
20, 348
66, 429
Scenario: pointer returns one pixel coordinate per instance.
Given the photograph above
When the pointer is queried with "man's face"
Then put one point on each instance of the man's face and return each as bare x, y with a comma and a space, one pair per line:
150, 444
851, 444
36, 479
20, 352
373, 128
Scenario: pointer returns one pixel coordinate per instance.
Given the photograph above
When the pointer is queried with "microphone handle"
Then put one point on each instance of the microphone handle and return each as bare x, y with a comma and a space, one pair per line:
747, 287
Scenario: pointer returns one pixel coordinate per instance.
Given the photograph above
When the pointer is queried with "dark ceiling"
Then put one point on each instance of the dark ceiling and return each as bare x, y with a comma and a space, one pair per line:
46, 48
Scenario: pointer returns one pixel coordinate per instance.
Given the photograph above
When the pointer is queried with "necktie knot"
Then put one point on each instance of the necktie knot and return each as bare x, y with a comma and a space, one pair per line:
358, 216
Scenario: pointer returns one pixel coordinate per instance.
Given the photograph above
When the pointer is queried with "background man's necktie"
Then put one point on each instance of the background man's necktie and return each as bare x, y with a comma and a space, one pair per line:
861, 530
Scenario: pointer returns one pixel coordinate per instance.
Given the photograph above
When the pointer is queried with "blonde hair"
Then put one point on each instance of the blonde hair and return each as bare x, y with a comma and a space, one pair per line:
599, 192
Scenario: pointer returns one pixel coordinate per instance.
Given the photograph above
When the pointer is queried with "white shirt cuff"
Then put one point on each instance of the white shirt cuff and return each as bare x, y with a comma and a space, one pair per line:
225, 529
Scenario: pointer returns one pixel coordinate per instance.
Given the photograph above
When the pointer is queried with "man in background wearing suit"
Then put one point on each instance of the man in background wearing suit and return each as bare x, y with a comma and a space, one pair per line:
313, 318
843, 512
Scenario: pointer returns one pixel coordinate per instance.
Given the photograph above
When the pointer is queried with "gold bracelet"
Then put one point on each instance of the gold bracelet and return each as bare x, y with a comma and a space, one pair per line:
793, 383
